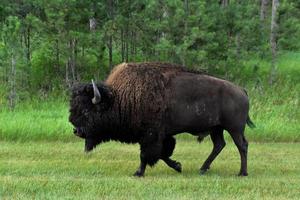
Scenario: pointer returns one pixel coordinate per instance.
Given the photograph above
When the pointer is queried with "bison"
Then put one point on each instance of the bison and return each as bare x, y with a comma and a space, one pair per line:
148, 103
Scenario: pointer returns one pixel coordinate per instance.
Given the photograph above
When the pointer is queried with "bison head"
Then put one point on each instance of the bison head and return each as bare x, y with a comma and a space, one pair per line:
88, 107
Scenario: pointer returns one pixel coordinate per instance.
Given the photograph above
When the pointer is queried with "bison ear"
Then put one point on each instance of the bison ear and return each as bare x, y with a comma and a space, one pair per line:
97, 95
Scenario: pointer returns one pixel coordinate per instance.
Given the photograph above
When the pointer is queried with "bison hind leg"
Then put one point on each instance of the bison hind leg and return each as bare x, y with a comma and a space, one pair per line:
242, 145
217, 138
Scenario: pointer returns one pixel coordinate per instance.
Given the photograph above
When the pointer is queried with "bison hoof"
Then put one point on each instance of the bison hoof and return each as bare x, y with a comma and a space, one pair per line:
178, 167
138, 174
203, 171
243, 174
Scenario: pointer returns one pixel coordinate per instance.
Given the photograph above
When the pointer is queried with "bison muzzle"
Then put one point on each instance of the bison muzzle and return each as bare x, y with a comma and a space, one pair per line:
149, 103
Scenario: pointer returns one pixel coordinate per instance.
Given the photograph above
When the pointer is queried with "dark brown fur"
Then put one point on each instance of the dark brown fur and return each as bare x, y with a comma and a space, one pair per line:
148, 103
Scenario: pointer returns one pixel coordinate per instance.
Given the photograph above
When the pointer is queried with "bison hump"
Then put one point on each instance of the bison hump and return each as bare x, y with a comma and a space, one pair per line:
140, 91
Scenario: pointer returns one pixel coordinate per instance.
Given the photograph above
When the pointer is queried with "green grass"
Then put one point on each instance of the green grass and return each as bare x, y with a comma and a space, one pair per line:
276, 113
58, 170
47, 120
274, 109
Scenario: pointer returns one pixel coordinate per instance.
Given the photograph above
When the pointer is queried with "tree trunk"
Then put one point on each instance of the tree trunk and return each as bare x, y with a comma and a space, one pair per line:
71, 64
24, 79
93, 24
57, 52
186, 11
126, 43
263, 9
132, 41
76, 65
238, 45
110, 51
263, 23
224, 3
273, 39
67, 73
110, 39
82, 51
12, 95
73, 60
27, 43
122, 45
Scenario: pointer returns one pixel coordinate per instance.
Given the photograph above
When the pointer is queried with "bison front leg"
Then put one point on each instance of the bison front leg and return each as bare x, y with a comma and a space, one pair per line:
141, 170
150, 154
151, 149
167, 151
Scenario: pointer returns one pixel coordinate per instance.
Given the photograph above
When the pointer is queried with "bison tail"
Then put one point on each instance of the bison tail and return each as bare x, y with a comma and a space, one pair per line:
250, 123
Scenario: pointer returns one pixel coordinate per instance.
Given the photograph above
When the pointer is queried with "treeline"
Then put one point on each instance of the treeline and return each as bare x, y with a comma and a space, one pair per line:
49, 45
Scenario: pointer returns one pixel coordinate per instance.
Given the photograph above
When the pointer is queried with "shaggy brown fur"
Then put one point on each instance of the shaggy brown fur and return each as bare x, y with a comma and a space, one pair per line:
140, 89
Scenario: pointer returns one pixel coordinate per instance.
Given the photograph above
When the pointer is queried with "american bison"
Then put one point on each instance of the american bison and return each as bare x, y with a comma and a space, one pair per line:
149, 103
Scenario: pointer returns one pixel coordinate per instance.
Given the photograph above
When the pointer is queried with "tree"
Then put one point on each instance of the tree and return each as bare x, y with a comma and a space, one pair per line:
273, 39
263, 9
11, 31
110, 11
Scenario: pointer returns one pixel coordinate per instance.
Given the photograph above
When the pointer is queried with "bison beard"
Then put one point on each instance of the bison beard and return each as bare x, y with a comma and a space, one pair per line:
149, 103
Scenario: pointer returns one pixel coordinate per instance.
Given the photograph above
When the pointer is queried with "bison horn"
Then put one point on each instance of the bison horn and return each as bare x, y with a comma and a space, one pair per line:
97, 95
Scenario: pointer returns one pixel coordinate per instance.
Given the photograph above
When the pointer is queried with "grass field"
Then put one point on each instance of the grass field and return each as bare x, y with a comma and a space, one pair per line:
58, 170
